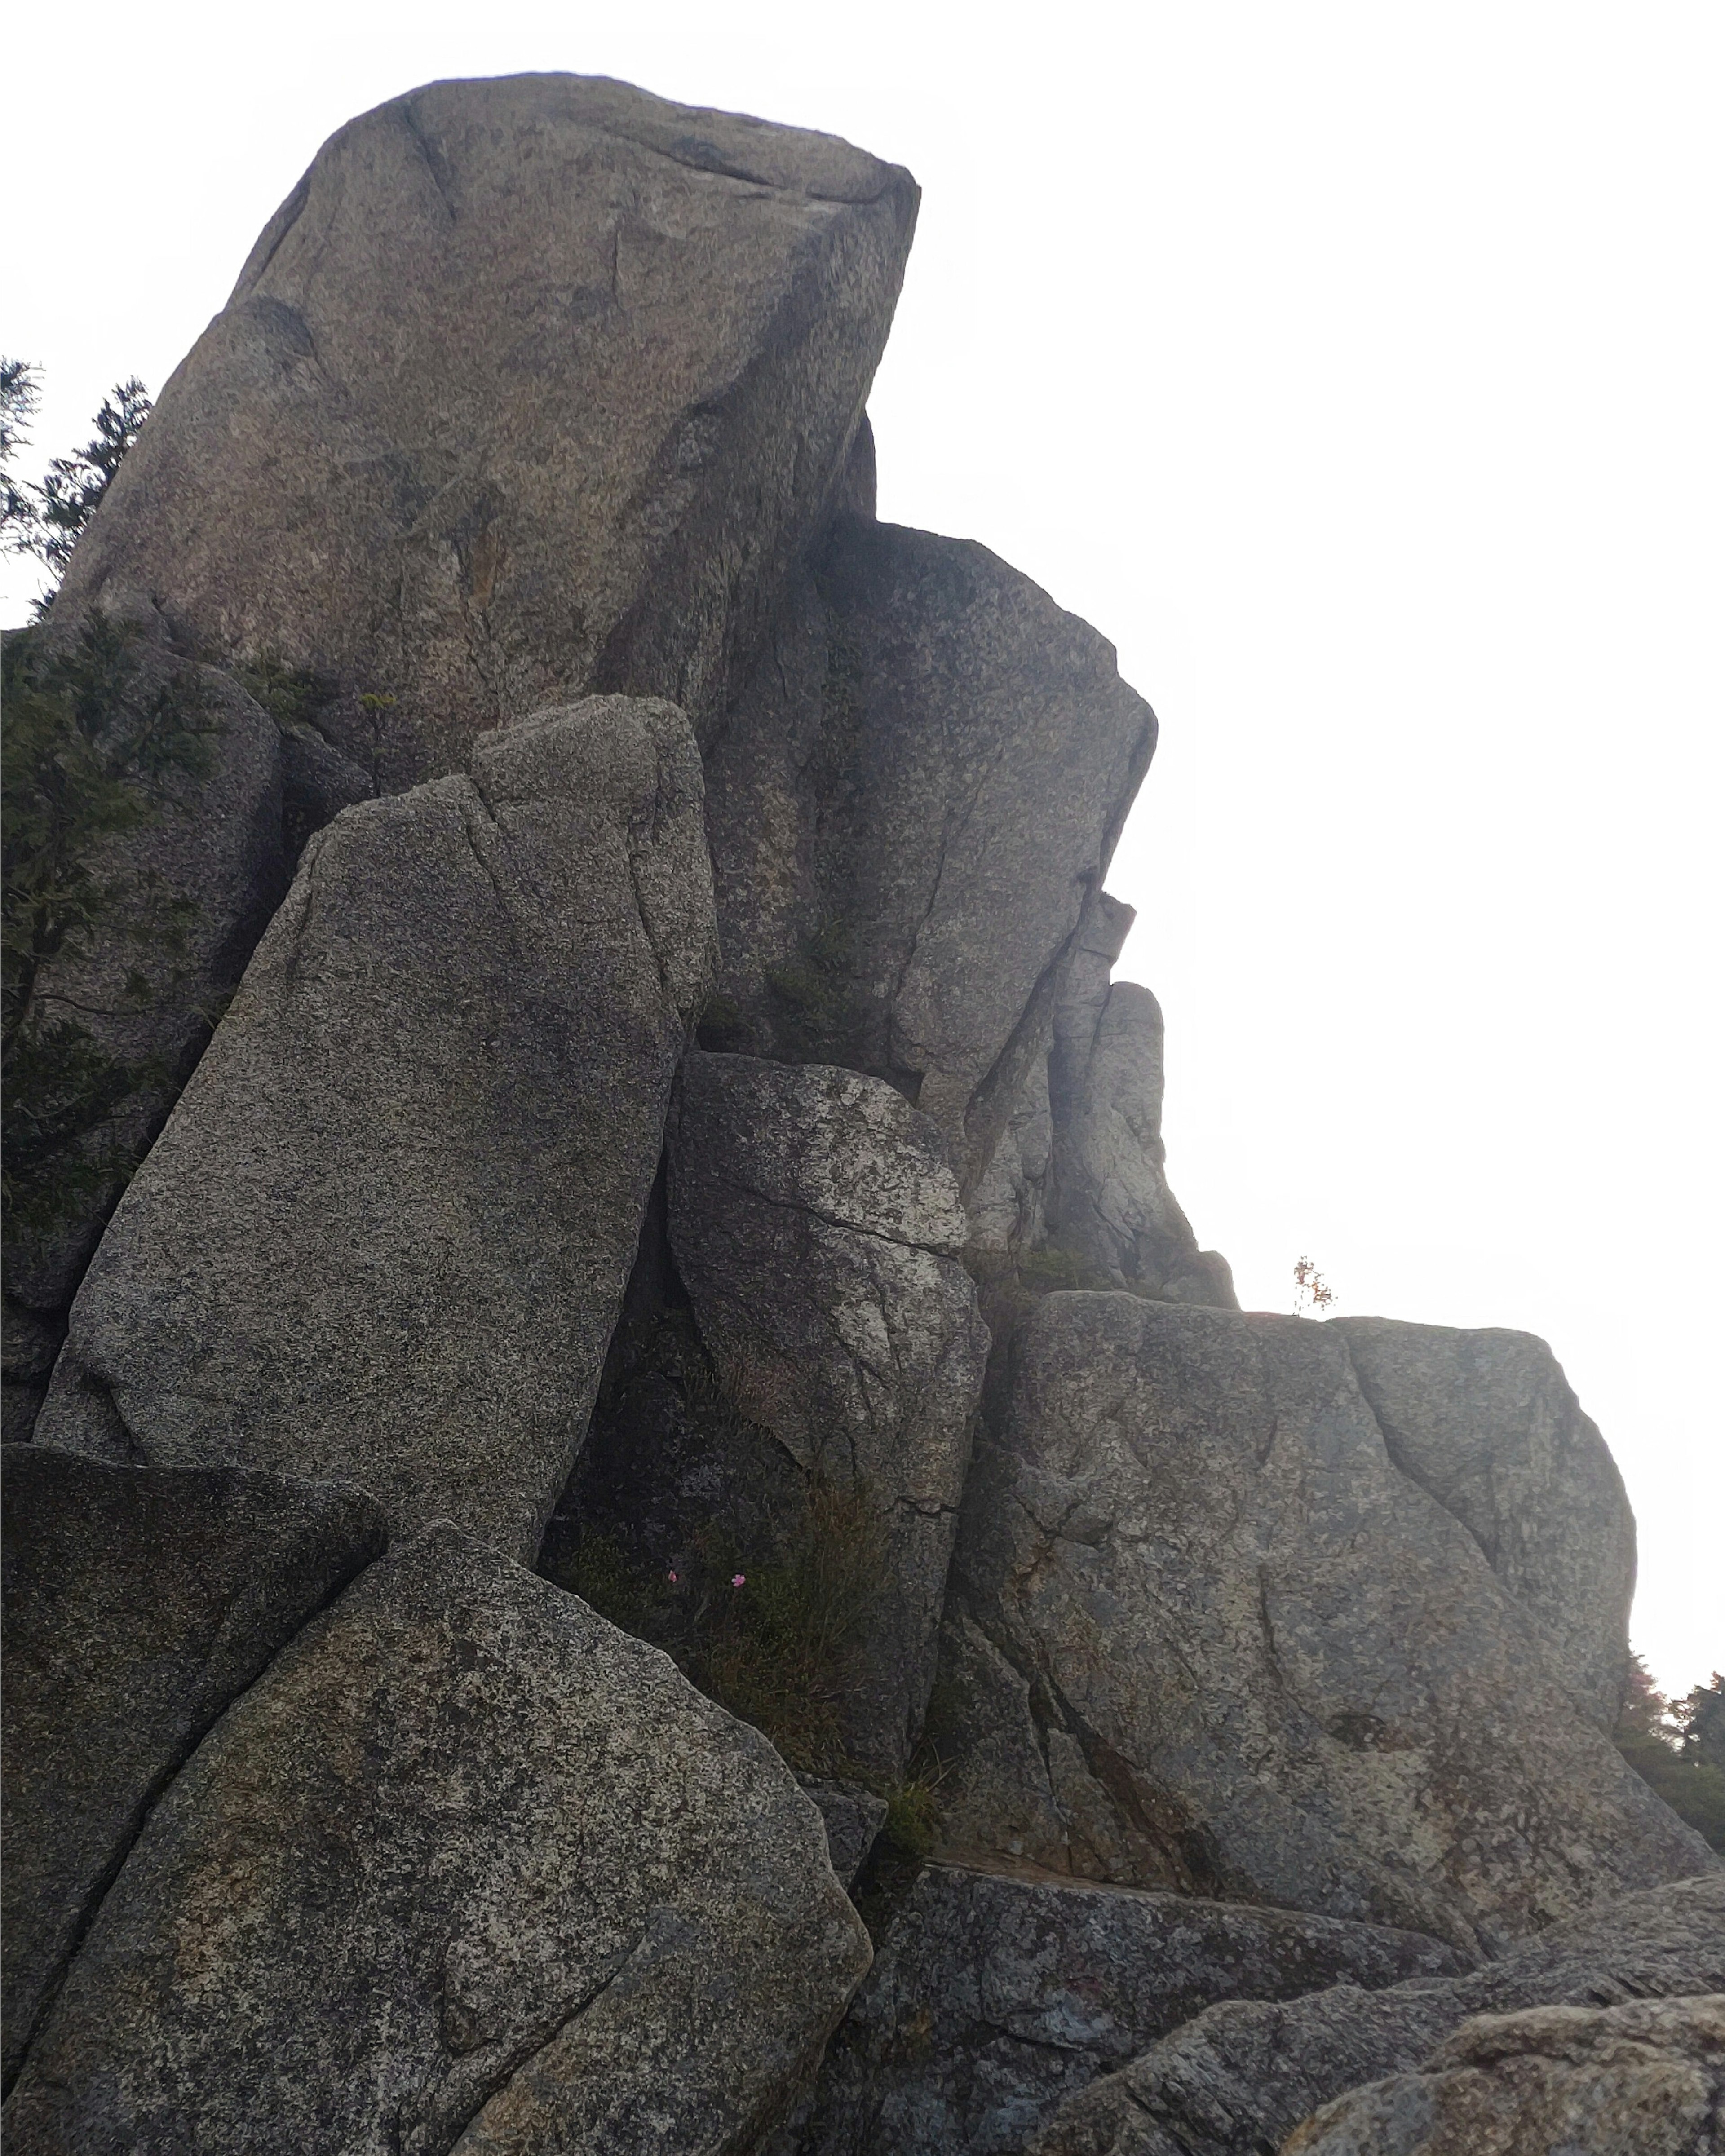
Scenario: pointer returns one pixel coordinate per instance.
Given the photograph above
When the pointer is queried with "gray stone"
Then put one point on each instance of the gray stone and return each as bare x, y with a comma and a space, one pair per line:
1238, 2077
1206, 1636
853, 1815
191, 888
994, 1998
32, 1343
466, 1869
1110, 1206
1643, 2079
533, 386
139, 1603
816, 1225
910, 805
384, 1235
1488, 1423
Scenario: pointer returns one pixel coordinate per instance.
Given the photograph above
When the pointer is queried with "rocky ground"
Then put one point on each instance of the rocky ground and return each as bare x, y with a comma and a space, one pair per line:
634, 1520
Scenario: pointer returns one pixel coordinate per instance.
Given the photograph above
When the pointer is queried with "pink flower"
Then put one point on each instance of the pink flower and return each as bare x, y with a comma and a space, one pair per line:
672, 1578
737, 1579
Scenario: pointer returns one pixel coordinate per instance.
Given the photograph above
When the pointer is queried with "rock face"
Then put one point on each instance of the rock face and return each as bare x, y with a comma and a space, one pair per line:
912, 802
853, 1816
138, 1604
191, 890
816, 1225
1237, 2078
994, 1998
1644, 2079
384, 1236
1205, 1636
533, 387
1486, 1422
466, 1870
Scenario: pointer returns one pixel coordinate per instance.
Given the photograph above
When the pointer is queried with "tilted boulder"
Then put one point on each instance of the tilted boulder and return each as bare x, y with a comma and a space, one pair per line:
911, 803
533, 387
1643, 2079
188, 890
1486, 1422
992, 1998
1205, 1635
816, 1225
1238, 2077
384, 1235
139, 1603
466, 1870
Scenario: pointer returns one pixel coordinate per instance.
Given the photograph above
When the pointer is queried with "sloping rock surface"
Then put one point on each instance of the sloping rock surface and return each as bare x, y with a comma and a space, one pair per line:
139, 1602
1645, 2079
1488, 1423
385, 1233
190, 891
910, 803
1237, 2078
994, 1998
466, 1870
533, 386
1206, 1635
816, 1226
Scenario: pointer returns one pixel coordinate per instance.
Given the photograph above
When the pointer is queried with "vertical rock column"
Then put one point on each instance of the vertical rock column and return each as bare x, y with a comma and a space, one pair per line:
385, 1233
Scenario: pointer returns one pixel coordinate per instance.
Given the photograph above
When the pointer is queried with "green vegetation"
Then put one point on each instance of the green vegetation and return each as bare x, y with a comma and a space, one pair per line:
46, 519
812, 993
292, 696
1679, 1751
91, 754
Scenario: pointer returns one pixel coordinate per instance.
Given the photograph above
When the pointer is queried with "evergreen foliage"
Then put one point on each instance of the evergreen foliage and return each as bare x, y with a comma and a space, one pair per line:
1677, 1750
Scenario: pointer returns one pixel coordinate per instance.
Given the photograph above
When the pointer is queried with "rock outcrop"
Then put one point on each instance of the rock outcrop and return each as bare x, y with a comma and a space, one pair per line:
1488, 1423
384, 1236
1644, 2079
1206, 1636
187, 890
139, 1603
533, 387
466, 1869
816, 1228
911, 803
1238, 2077
993, 1998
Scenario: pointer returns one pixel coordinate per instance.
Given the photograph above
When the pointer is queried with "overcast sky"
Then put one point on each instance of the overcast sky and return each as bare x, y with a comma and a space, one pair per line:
1357, 368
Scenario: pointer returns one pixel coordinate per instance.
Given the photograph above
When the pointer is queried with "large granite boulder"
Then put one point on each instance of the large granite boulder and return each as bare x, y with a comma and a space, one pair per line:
466, 1870
533, 387
1643, 2079
911, 803
139, 1603
816, 1228
384, 1235
992, 1998
1237, 2078
1206, 1635
1488, 1423
187, 890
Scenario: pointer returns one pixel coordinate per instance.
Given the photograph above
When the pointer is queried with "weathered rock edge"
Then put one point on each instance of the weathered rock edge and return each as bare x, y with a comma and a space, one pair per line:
384, 1235
466, 1869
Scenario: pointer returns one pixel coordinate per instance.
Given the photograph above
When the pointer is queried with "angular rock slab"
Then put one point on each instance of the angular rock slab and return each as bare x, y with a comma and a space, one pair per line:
532, 385
1235, 2079
139, 1602
209, 865
1644, 2079
816, 1225
995, 1998
1207, 1635
1487, 1421
912, 800
384, 1235
466, 1869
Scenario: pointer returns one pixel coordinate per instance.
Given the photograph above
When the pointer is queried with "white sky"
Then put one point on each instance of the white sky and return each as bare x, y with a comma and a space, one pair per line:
1357, 368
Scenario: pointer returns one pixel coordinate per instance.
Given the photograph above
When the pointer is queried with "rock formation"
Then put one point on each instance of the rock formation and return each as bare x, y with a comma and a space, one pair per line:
384, 1236
1238, 2077
677, 1156
1208, 1637
532, 386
